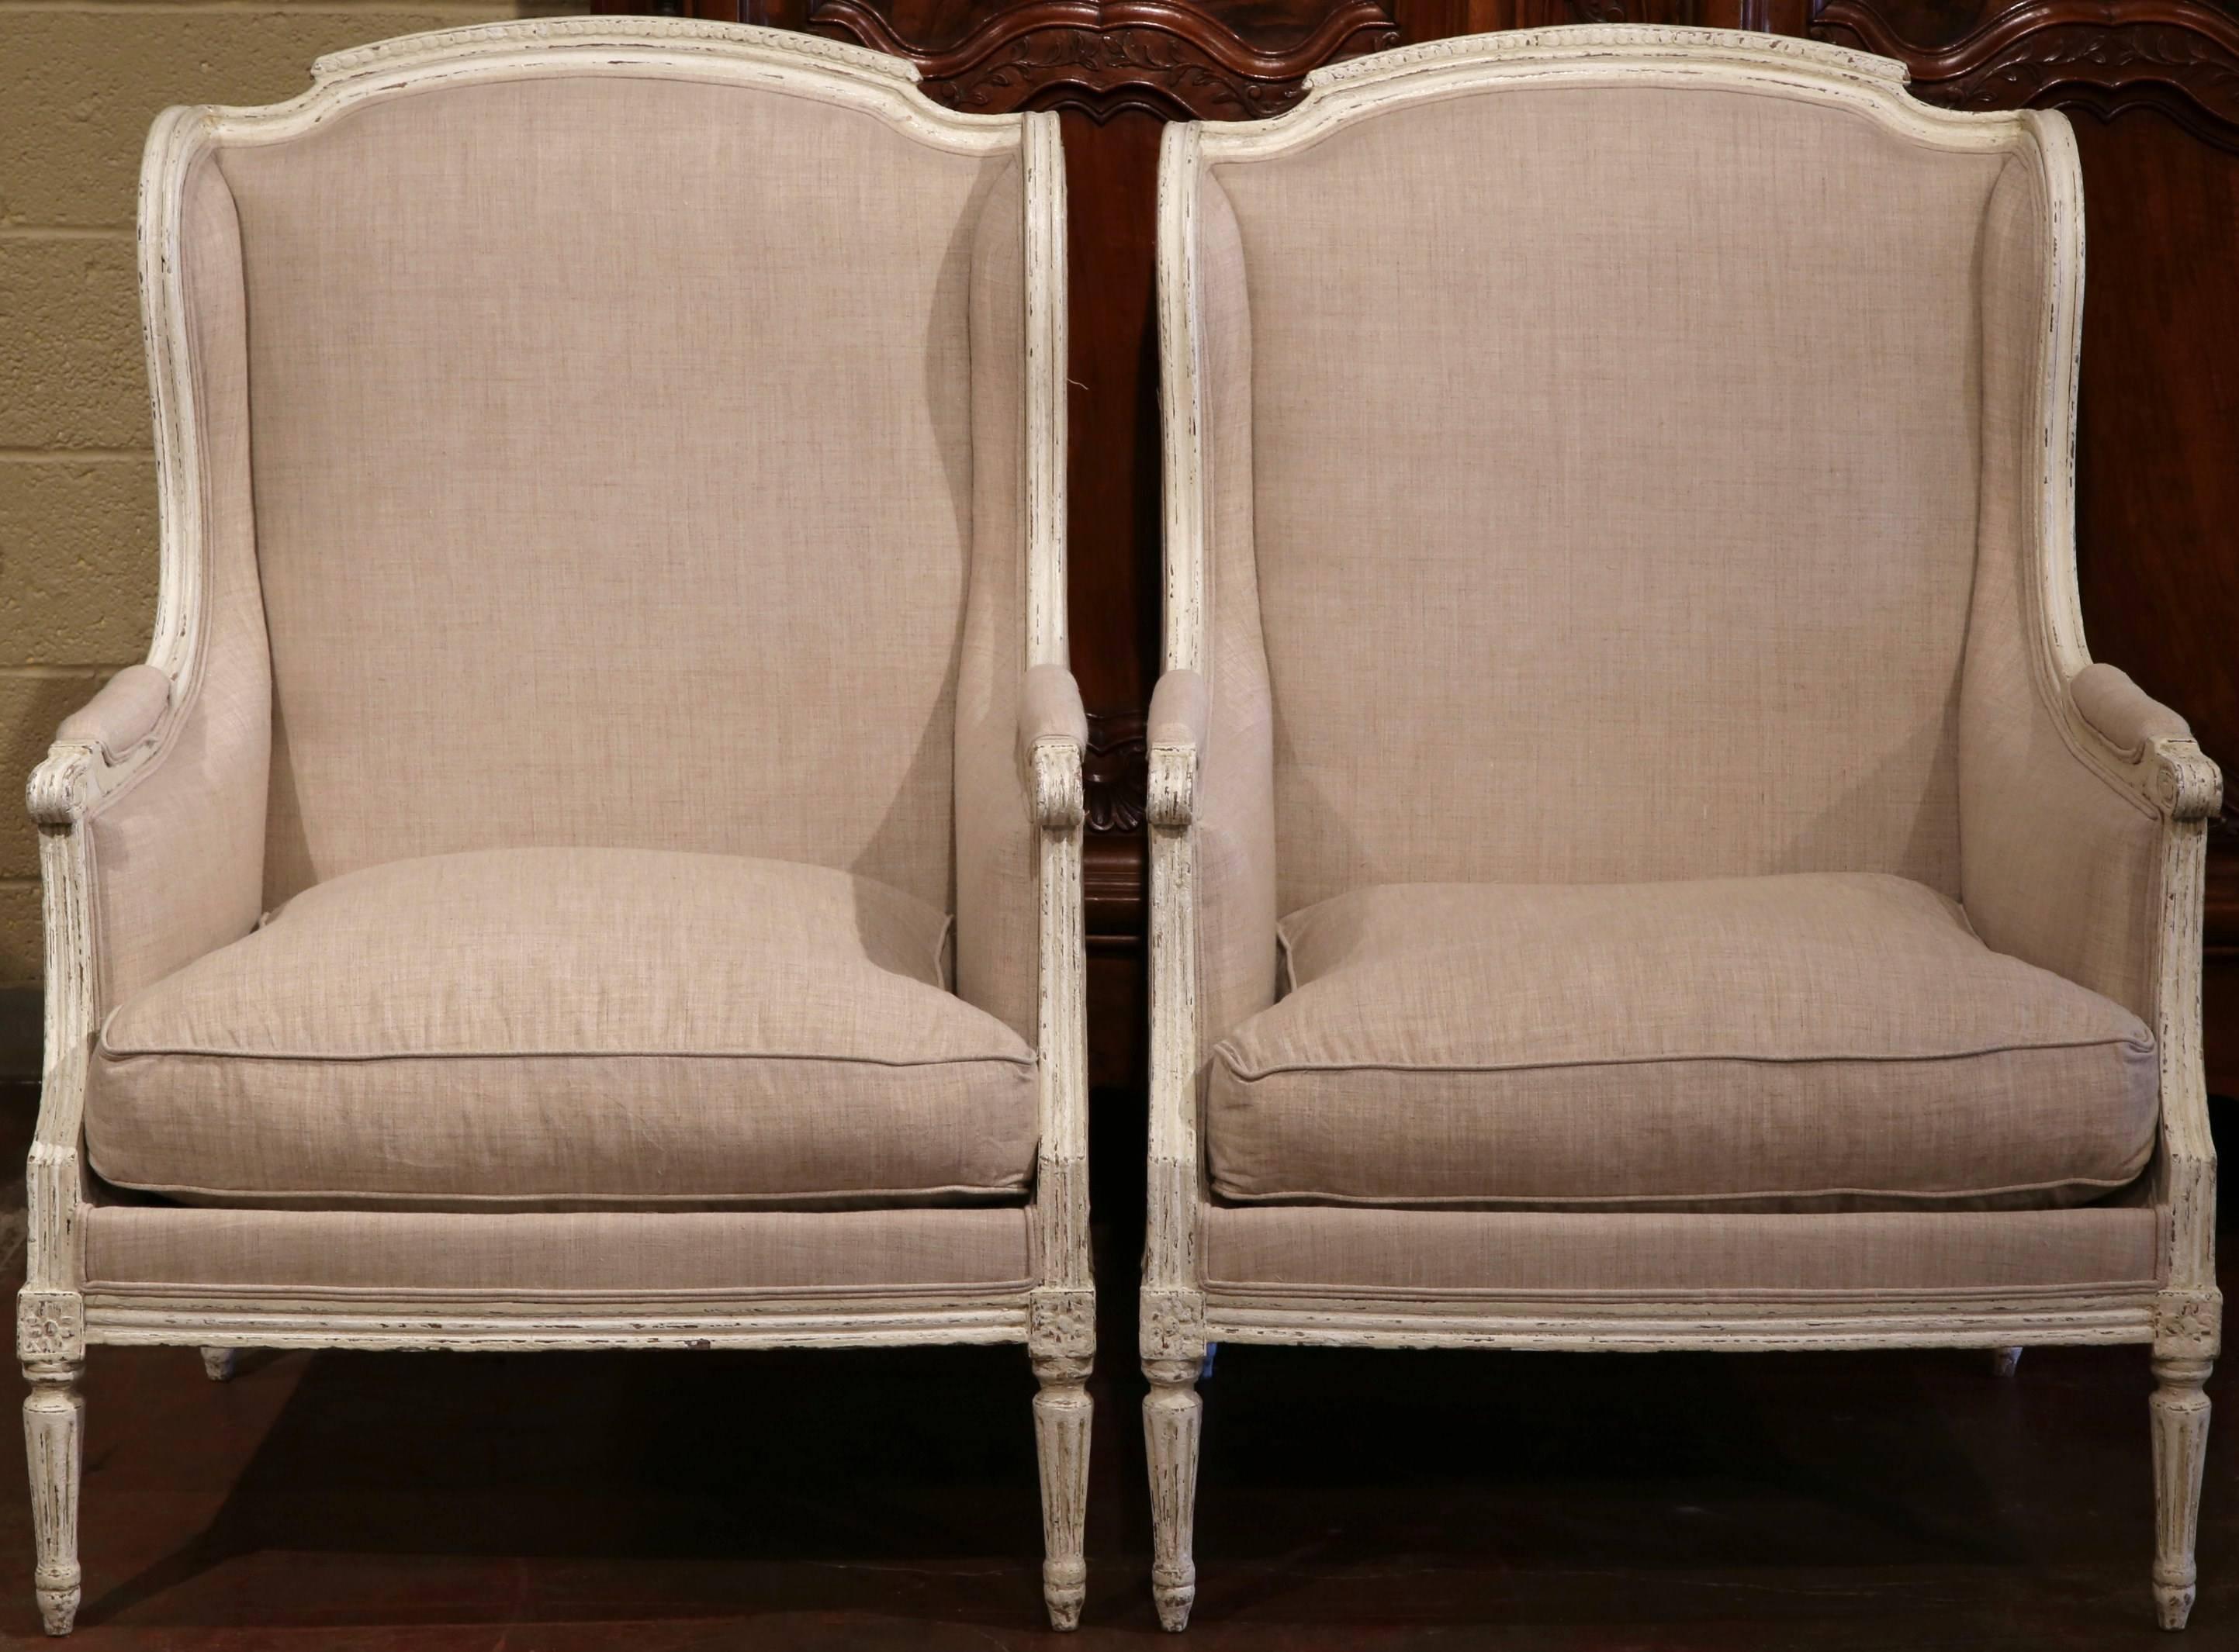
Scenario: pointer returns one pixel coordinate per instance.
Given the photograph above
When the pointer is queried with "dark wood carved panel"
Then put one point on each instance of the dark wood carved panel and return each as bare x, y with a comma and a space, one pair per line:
1101, 56
2102, 56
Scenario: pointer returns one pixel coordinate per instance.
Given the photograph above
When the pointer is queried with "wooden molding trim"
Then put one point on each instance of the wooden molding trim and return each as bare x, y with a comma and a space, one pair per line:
1098, 57
2176, 56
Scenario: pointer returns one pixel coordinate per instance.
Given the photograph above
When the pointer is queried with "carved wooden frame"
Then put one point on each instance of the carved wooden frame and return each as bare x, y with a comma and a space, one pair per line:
1053, 1315
1182, 1312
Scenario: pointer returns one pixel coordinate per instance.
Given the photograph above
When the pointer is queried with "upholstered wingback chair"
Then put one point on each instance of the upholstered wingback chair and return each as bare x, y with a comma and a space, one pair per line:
592, 858
1641, 858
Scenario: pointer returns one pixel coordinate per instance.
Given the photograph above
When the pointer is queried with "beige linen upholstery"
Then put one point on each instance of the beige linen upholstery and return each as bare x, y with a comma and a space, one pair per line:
777, 642
1233, 814
1619, 522
1810, 1042
1570, 1254
180, 845
995, 837
435, 362
538, 1026
537, 1253
1471, 450
2060, 863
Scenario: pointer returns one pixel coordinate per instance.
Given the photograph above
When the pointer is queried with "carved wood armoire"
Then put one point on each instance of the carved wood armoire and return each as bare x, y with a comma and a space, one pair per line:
2153, 84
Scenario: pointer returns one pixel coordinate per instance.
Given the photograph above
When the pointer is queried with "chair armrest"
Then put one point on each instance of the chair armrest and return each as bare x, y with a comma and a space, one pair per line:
122, 715
1053, 736
1180, 709
2083, 821
101, 746
2071, 806
2123, 713
150, 845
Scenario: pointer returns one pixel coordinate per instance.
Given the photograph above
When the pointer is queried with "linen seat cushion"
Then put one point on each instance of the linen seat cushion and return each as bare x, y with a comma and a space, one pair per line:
558, 1027
1805, 1042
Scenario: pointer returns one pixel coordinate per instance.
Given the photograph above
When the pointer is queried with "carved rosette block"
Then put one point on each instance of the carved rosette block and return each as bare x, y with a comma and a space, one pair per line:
1171, 1325
50, 1326
1061, 1324
2189, 1324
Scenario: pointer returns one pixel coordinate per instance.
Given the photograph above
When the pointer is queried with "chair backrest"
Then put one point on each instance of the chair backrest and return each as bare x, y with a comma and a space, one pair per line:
1613, 458
636, 429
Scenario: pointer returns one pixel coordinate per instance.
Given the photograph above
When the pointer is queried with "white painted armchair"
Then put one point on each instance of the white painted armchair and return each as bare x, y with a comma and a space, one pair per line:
593, 857
1641, 858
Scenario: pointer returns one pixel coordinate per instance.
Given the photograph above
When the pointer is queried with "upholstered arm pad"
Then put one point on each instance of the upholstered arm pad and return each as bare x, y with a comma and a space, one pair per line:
1052, 735
123, 714
1180, 709
1049, 708
2124, 713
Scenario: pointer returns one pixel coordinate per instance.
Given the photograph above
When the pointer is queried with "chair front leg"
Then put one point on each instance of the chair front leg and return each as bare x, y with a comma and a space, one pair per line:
1061, 1341
54, 1432
2180, 1410
1173, 1415
1062, 1414
50, 1341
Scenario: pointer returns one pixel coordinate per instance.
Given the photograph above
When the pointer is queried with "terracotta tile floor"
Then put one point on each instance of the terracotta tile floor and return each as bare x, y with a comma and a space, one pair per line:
415, 1502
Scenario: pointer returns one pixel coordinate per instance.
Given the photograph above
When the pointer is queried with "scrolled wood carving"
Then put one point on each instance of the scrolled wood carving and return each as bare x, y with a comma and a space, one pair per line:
1101, 56
1115, 771
2102, 56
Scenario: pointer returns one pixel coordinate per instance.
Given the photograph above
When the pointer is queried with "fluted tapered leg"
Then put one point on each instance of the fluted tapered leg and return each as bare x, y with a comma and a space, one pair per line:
1062, 1413
54, 1429
1172, 1416
218, 1364
2005, 1361
2180, 1453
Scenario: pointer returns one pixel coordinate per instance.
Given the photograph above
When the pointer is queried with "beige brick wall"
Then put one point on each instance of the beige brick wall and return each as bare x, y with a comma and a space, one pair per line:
79, 82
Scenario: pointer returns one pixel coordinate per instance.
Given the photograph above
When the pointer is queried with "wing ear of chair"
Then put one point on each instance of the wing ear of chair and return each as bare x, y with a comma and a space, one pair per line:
426, 724
1564, 701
